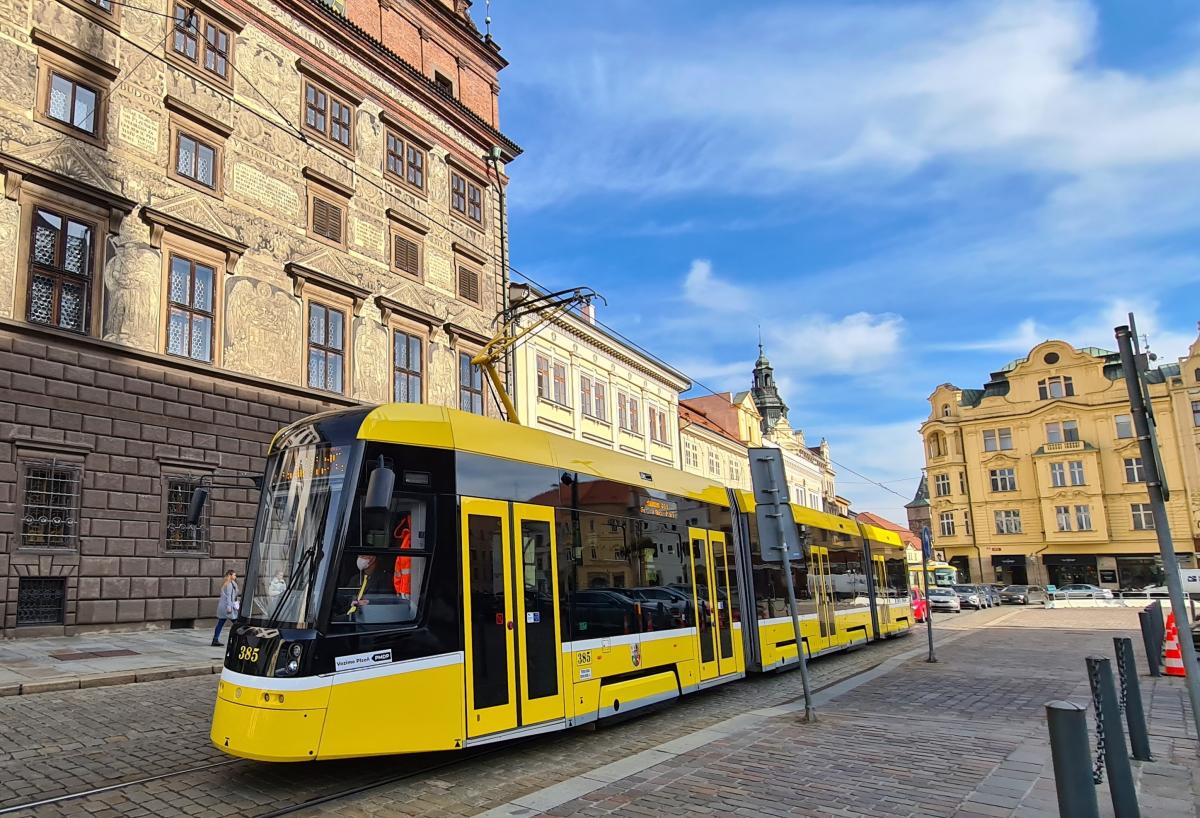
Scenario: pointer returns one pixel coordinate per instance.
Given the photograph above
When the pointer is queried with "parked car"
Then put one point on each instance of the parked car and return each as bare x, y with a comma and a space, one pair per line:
1081, 590
944, 599
972, 596
919, 605
1023, 594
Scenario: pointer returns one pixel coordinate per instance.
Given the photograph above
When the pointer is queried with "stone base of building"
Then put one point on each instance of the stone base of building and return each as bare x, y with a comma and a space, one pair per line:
1119, 568
93, 439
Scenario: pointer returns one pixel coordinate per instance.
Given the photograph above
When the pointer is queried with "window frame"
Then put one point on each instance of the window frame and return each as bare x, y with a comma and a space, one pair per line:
1144, 513
1065, 384
656, 412
93, 282
181, 250
461, 267
55, 460
1062, 516
329, 305
1068, 431
471, 389
1008, 522
55, 56
110, 18
458, 172
1058, 474
311, 78
398, 231
175, 474
1083, 517
1117, 424
206, 15
1135, 470
940, 482
1196, 413
333, 194
409, 147
422, 338
628, 413
1003, 479
946, 524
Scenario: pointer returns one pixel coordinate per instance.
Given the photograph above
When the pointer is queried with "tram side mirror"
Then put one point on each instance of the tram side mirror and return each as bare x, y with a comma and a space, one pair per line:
196, 506
379, 489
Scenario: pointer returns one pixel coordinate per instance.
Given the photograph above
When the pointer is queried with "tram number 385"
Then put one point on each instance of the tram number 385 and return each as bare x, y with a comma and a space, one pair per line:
584, 657
247, 653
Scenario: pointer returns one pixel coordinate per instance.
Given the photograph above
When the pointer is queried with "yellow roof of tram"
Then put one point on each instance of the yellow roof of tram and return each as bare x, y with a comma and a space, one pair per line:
804, 515
440, 427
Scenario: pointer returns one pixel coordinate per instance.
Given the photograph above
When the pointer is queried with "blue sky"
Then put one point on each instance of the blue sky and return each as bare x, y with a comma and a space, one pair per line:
902, 194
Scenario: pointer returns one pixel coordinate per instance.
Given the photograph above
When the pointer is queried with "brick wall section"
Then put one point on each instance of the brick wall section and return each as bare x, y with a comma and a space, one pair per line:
128, 419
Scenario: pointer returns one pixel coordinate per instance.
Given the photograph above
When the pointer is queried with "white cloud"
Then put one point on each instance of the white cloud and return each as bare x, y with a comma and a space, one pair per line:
888, 453
703, 289
852, 345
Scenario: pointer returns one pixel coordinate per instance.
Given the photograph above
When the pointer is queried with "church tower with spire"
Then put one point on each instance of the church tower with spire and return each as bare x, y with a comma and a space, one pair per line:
766, 394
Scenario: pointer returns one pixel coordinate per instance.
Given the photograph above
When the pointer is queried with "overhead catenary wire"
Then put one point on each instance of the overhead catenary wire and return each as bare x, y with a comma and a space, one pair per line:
284, 125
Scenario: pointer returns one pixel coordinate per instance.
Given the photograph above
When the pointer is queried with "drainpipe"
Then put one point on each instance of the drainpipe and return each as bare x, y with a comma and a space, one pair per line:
971, 510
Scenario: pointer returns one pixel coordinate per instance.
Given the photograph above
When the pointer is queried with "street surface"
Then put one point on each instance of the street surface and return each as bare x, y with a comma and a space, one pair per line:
997, 669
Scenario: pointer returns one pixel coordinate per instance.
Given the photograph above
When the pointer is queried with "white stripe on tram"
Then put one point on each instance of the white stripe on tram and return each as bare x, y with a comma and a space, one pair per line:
272, 683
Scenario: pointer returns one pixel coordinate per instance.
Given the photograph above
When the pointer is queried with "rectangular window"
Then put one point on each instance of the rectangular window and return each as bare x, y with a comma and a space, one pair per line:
1196, 413
1004, 479
73, 103
184, 39
41, 600
326, 347
1143, 517
714, 463
622, 410
180, 535
443, 83
560, 383
190, 311
1056, 387
1065, 431
61, 260
196, 160
1075, 468
941, 485
466, 197
691, 456
962, 482
405, 160
1134, 471
329, 115
406, 255
1058, 474
1083, 518
407, 366
543, 377
470, 385
50, 505
658, 425
635, 416
468, 285
600, 405
995, 440
1008, 522
1062, 515
209, 52
1124, 424
328, 219
966, 522
585, 394
947, 523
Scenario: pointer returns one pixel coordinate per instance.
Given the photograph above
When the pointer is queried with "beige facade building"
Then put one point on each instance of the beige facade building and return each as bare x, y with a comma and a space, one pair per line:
1037, 477
715, 432
575, 378
218, 216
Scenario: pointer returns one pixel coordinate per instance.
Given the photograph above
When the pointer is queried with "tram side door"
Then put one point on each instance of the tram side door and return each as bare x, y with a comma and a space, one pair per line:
719, 559
823, 594
704, 601
510, 610
882, 599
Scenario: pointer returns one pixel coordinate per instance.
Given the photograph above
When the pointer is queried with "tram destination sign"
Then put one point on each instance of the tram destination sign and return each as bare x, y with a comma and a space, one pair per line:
769, 479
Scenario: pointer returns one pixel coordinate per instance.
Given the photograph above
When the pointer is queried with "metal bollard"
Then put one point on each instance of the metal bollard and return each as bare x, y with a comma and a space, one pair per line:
1116, 755
1131, 695
1067, 723
1153, 653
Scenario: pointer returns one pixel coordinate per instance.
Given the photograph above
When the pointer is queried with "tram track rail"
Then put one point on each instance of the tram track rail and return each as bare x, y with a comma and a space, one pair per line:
445, 762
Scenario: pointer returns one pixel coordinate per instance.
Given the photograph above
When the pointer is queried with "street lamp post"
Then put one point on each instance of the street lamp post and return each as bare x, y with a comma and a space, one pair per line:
926, 555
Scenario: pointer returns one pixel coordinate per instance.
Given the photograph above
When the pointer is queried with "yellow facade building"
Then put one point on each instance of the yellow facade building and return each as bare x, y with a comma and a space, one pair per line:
1037, 476
575, 378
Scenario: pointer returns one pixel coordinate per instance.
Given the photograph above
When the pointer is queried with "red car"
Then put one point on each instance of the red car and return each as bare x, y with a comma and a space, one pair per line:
919, 605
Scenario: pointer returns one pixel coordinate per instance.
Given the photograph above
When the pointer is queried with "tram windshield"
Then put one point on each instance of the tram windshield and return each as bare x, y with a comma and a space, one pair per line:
301, 505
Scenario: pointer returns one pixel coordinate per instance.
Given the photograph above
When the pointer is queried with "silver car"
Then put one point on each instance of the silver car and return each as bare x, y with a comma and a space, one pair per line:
944, 599
970, 596
1081, 590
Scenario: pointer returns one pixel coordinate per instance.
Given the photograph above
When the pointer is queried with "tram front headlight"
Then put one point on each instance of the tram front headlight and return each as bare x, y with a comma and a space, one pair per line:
292, 665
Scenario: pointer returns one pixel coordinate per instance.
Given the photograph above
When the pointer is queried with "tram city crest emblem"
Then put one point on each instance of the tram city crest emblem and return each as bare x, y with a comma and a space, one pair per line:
635, 654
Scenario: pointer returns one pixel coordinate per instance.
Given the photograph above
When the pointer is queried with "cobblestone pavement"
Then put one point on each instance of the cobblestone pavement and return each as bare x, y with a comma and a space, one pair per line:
964, 737
72, 741
123, 734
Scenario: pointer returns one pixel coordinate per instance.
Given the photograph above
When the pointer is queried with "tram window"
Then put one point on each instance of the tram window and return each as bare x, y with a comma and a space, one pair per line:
847, 577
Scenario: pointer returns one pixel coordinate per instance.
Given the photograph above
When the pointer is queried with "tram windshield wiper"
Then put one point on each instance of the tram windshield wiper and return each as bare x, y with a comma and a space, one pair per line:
303, 568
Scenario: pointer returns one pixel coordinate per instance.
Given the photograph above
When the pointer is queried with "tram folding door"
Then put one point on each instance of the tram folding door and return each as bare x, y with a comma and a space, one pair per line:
823, 595
882, 597
714, 625
510, 611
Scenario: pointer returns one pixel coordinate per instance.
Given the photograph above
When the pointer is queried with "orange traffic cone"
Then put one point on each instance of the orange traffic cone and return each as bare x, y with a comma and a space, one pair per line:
1172, 655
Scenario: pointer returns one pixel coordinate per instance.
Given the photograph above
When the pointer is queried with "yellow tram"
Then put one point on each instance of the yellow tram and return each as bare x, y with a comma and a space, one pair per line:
427, 579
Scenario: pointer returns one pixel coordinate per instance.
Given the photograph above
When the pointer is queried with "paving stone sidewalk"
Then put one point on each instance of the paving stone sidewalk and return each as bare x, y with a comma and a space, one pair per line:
96, 660
963, 738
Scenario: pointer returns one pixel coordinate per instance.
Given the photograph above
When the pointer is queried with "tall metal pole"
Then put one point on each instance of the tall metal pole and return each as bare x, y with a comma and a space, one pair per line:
926, 552
1148, 443
810, 712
